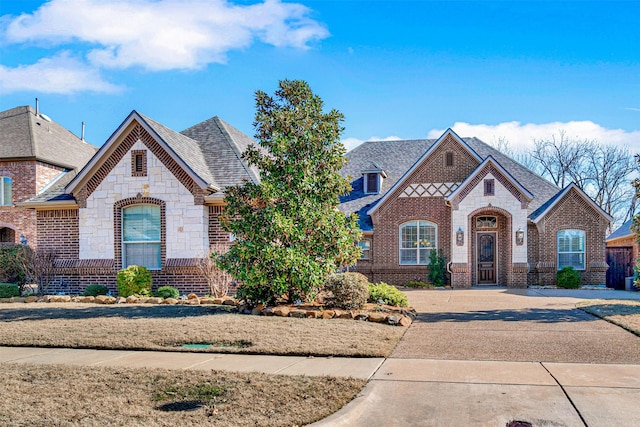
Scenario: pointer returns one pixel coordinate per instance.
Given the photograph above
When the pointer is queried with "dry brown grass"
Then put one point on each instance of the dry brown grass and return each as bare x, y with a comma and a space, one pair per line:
151, 327
38, 395
624, 313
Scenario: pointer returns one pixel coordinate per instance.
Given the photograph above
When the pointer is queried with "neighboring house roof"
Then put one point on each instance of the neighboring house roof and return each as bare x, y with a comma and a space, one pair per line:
397, 158
623, 231
25, 135
539, 213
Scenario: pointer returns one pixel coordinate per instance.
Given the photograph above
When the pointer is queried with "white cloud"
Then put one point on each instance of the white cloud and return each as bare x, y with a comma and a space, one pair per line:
61, 74
164, 34
521, 136
351, 143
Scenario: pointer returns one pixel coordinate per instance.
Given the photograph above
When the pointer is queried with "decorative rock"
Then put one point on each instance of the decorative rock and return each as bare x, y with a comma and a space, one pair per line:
328, 314
5, 300
193, 301
344, 315
267, 311
361, 316
377, 317
192, 296
142, 300
170, 301
208, 301
298, 313
257, 310
313, 314
282, 311
17, 299
405, 321
86, 299
229, 301
393, 320
31, 299
218, 301
101, 299
121, 300
131, 299
153, 300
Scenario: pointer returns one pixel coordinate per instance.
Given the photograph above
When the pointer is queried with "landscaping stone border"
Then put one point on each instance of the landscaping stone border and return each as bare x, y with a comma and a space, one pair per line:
377, 313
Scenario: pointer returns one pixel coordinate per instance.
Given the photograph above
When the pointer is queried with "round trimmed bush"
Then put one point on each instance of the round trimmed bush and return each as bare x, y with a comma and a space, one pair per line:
95, 290
383, 293
8, 290
347, 290
168, 292
134, 280
568, 278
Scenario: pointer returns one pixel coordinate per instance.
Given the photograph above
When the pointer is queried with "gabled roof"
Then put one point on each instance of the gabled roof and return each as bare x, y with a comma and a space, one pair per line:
490, 161
623, 231
25, 135
374, 168
397, 157
431, 149
177, 145
222, 146
539, 213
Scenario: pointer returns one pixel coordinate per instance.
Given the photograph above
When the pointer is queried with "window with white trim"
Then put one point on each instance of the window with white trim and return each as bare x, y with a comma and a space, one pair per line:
5, 191
417, 240
365, 249
571, 249
141, 236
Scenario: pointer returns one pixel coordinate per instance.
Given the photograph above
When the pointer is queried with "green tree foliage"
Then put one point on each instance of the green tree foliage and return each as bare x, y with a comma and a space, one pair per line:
290, 234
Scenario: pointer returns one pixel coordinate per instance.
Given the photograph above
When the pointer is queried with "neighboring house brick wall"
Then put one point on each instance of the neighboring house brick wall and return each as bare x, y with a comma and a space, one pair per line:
572, 212
28, 177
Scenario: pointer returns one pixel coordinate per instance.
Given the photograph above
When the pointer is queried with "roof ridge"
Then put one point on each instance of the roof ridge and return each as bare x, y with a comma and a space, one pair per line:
222, 125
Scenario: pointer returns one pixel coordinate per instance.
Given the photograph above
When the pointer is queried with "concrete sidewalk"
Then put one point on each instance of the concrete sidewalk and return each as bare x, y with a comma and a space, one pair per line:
418, 392
284, 365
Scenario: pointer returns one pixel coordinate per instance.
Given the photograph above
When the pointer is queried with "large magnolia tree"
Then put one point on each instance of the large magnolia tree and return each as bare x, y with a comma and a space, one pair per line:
290, 233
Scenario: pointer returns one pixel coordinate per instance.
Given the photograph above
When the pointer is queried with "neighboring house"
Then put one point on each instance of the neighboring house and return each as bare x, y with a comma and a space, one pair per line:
623, 250
35, 153
497, 222
150, 196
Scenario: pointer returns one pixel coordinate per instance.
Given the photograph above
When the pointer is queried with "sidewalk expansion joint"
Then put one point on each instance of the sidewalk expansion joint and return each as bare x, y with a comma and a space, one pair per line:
566, 394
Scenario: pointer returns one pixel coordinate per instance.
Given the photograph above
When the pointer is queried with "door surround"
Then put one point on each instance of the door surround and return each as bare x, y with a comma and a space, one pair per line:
486, 271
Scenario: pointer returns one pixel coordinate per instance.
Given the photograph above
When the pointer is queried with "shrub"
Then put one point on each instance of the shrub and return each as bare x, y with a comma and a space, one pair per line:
437, 268
134, 280
167, 292
95, 290
8, 290
418, 284
12, 264
347, 290
386, 294
568, 278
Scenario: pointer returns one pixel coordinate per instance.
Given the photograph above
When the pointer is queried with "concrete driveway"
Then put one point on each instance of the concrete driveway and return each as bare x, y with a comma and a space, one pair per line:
491, 357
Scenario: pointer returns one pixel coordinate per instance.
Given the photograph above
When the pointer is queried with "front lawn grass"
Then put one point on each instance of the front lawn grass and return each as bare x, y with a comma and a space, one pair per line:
624, 313
160, 327
36, 395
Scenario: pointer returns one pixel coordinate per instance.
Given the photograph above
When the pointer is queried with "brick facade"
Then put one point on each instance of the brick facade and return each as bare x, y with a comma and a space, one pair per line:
28, 178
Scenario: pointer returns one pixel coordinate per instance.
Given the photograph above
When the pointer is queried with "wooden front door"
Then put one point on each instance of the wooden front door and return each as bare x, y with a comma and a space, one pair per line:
486, 258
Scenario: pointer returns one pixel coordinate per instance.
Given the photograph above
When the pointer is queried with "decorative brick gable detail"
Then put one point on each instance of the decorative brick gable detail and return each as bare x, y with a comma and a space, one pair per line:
479, 177
138, 133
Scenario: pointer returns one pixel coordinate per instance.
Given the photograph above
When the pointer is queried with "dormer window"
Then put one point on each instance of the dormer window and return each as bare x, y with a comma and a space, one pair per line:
373, 177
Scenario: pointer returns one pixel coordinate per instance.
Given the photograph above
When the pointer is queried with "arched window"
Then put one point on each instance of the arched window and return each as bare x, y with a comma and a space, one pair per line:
5, 191
141, 236
417, 240
571, 249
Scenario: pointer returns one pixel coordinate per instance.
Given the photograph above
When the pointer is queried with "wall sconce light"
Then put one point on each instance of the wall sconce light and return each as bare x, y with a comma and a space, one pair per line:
460, 237
519, 237
23, 239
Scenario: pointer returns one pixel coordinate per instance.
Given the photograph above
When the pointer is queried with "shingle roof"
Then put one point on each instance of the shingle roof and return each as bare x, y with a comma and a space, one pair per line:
222, 146
623, 231
396, 157
23, 135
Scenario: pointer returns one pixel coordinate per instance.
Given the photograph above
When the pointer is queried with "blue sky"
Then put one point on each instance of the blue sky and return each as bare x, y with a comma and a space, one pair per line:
408, 69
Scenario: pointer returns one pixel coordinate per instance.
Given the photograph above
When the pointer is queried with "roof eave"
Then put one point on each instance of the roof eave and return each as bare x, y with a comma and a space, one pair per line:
48, 205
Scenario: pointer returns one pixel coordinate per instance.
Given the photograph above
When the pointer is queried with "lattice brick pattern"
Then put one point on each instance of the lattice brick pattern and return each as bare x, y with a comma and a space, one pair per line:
432, 189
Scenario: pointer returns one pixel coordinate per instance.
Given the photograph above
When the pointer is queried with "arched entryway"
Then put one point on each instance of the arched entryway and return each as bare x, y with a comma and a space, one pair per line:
490, 249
